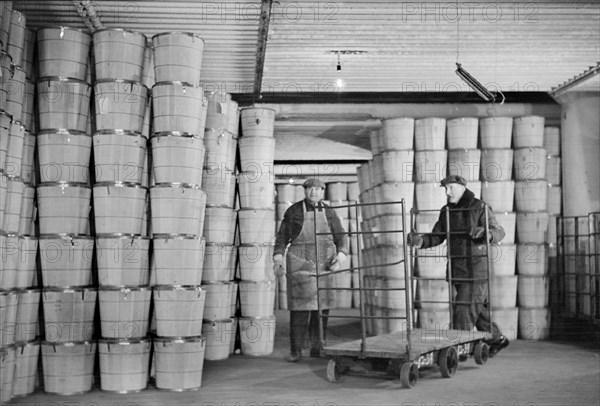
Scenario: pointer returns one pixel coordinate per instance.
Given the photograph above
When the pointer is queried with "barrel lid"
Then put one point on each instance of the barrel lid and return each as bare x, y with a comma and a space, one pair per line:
129, 81
190, 34
127, 341
125, 288
121, 236
65, 236
272, 317
178, 287
166, 236
28, 237
177, 185
221, 244
62, 79
120, 30
69, 289
119, 184
67, 343
257, 108
119, 132
216, 283
179, 339
62, 131
63, 28
176, 134
215, 321
30, 343
28, 291
175, 83
7, 292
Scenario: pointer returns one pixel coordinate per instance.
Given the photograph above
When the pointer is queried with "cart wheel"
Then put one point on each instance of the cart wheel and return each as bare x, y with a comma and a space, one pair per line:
481, 353
333, 371
409, 374
448, 361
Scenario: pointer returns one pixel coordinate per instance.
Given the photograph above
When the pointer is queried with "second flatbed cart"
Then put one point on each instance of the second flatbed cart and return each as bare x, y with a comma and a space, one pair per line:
402, 352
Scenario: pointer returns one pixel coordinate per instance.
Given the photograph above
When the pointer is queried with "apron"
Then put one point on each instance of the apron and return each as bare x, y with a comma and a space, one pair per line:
300, 264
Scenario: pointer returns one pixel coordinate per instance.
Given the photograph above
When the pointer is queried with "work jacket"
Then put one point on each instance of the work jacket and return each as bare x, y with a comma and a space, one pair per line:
468, 257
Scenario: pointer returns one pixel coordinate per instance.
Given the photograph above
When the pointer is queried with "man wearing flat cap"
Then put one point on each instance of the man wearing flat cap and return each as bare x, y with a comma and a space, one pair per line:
297, 235
468, 245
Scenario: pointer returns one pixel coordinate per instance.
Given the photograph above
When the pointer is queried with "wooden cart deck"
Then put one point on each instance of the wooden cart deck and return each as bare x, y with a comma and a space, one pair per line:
395, 345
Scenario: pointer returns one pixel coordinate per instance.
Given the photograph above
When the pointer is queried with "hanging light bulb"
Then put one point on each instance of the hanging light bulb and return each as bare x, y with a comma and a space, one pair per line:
474, 84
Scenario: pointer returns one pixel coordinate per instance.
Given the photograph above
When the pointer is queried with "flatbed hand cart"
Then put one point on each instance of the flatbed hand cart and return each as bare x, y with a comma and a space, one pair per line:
401, 353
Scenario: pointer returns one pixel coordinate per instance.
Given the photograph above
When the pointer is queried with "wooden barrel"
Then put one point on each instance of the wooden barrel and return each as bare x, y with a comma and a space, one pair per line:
177, 209
179, 310
122, 260
461, 133
432, 294
63, 51
431, 262
68, 367
26, 268
532, 259
503, 291
64, 156
397, 133
219, 224
119, 156
147, 77
69, 314
528, 131
532, 227
257, 121
5, 124
465, 163
256, 190
12, 208
220, 335
507, 320
9, 300
256, 225
66, 260
16, 36
179, 363
495, 132
27, 114
26, 368
10, 259
5, 13
177, 158
221, 112
499, 195
257, 154
28, 161
219, 185
430, 165
178, 56
63, 103
5, 69
429, 196
257, 335
256, 262
552, 140
430, 133
434, 319
534, 323
119, 208
219, 262
29, 52
257, 299
15, 97
7, 371
14, 150
395, 166
503, 259
533, 291
178, 107
220, 150
177, 259
531, 195
124, 365
554, 200
118, 54
508, 221
124, 312
529, 163
553, 170
217, 305
120, 104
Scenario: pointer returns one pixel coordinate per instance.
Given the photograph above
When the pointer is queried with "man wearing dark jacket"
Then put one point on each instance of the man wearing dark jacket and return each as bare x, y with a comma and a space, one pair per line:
297, 235
468, 260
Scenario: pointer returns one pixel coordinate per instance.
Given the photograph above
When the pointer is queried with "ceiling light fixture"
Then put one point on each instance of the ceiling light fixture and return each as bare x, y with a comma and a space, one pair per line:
474, 84
339, 82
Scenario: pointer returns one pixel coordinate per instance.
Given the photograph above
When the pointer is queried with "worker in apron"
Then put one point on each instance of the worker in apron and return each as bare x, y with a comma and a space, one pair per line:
297, 235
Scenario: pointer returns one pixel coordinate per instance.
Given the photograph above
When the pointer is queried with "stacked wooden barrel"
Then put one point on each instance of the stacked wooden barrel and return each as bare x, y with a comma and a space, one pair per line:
120, 198
177, 210
256, 219
220, 258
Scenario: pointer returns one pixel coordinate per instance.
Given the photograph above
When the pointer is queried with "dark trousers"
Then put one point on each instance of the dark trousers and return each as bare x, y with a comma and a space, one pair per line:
304, 326
471, 308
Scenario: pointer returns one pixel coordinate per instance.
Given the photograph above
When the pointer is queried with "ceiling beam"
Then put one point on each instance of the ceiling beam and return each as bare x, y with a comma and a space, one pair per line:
261, 49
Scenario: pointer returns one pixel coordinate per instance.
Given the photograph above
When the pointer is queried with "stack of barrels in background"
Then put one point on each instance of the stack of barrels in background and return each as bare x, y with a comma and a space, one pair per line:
120, 197
530, 158
220, 257
19, 297
66, 243
256, 219
177, 210
554, 201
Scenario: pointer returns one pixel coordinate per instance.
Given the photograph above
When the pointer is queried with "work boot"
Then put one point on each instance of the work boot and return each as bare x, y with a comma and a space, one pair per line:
293, 357
498, 345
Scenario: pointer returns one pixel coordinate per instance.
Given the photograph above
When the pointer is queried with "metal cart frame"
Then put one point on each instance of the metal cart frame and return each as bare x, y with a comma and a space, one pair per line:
402, 352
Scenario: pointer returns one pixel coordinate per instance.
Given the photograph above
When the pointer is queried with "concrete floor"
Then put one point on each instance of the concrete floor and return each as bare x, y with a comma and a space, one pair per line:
526, 373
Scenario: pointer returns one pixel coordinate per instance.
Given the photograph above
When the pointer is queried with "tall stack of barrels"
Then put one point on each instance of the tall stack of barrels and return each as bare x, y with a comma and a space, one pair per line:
64, 194
177, 210
120, 197
257, 231
531, 190
19, 297
220, 258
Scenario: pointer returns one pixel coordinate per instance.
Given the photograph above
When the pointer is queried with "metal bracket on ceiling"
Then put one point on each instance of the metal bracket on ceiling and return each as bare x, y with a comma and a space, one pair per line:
87, 11
576, 80
263, 33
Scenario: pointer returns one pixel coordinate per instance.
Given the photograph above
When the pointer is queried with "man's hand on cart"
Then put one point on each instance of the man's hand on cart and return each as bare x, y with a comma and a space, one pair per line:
415, 240
478, 233
337, 261
278, 265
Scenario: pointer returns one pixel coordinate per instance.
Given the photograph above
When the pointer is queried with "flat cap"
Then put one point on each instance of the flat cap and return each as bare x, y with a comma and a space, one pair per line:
454, 179
313, 182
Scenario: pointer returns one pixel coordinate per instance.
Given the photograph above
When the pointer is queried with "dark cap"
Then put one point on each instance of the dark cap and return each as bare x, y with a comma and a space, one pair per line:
313, 182
454, 179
